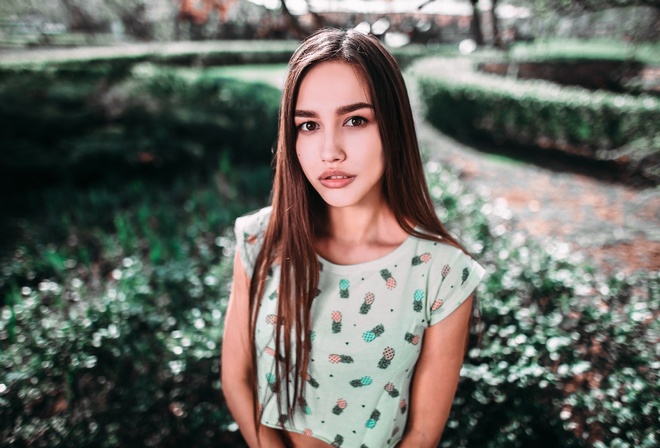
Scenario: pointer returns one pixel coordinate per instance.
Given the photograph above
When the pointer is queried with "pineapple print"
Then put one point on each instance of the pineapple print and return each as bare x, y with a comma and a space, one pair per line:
271, 352
371, 423
311, 381
388, 355
368, 301
437, 303
395, 431
419, 259
465, 275
417, 300
312, 335
391, 390
305, 408
250, 238
344, 359
283, 418
372, 334
445, 271
339, 407
403, 407
336, 322
343, 288
308, 432
339, 440
412, 338
271, 319
389, 280
364, 381
272, 383
273, 295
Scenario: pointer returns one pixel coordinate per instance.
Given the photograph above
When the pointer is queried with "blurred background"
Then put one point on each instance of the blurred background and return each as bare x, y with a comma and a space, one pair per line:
133, 133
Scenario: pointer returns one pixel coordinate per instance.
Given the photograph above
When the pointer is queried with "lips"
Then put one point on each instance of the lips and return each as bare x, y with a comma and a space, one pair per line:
335, 179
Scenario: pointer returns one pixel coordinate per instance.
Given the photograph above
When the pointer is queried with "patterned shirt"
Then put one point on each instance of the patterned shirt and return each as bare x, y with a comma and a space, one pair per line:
367, 328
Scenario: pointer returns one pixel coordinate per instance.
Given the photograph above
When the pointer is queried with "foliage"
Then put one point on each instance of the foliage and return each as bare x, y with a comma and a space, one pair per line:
572, 49
113, 297
567, 356
120, 346
83, 123
112, 325
572, 6
469, 104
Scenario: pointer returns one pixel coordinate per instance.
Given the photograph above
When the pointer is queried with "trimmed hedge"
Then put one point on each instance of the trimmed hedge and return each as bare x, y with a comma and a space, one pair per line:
143, 117
197, 54
469, 105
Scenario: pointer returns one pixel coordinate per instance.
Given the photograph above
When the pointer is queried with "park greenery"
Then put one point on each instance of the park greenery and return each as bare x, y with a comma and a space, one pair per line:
601, 126
125, 179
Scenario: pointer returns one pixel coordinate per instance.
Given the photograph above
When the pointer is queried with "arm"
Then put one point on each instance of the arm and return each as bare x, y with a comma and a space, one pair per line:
237, 364
436, 378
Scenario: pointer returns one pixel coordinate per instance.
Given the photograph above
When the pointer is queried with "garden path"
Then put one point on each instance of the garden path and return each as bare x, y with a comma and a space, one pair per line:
615, 225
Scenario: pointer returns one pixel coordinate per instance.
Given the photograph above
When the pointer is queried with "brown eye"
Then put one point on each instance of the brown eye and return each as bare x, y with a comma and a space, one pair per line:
308, 126
356, 121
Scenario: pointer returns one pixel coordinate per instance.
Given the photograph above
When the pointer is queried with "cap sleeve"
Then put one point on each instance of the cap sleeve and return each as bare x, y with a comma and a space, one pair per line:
249, 231
454, 279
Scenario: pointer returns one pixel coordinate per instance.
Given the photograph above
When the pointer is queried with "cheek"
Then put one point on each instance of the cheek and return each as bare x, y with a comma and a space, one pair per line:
303, 156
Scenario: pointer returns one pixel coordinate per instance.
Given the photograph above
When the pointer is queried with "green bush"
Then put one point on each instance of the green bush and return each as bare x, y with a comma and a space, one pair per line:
55, 125
111, 324
468, 104
568, 355
571, 49
120, 346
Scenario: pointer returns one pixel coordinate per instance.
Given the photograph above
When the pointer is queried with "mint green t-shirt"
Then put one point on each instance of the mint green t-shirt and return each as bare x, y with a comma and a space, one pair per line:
367, 325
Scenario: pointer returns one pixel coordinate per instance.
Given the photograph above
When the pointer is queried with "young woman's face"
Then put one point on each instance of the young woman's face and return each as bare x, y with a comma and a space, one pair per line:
338, 141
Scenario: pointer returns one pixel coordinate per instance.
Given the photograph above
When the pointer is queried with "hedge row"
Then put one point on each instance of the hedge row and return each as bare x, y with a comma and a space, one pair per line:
140, 118
192, 54
469, 104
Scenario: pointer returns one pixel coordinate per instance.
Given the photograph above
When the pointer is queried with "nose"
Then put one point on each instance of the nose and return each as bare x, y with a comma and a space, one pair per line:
333, 148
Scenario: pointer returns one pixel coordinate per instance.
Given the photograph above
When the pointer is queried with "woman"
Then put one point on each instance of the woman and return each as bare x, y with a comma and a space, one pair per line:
360, 344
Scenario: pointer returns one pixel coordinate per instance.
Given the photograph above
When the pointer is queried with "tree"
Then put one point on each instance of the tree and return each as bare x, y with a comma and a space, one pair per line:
476, 23
577, 6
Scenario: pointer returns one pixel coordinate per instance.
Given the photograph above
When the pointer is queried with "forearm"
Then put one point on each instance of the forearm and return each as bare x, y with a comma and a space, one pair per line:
419, 439
239, 398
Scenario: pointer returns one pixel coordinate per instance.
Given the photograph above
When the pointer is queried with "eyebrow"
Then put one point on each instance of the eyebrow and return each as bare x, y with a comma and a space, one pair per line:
340, 110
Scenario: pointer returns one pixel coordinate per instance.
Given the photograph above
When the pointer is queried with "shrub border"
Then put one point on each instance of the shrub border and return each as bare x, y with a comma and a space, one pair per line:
462, 101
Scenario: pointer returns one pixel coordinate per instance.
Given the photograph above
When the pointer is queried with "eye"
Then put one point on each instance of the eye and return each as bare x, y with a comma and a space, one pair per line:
356, 121
308, 126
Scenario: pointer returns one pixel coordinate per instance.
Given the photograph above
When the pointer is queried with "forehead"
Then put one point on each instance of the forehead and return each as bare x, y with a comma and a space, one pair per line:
329, 85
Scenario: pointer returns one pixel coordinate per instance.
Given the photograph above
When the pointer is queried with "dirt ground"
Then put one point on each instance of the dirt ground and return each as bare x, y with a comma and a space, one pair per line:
617, 226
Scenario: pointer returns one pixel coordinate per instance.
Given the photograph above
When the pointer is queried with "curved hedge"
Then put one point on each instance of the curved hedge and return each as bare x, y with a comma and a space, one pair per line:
144, 117
470, 104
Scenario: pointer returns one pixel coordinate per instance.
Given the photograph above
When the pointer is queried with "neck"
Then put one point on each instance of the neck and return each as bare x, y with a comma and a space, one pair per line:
361, 224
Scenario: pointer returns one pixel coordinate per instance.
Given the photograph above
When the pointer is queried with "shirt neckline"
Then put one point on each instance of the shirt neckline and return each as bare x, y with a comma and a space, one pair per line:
371, 264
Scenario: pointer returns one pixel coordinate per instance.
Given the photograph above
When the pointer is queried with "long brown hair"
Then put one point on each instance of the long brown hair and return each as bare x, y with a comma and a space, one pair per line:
297, 208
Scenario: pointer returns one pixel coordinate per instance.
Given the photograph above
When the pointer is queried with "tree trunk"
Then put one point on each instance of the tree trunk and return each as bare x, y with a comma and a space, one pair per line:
476, 24
295, 26
497, 41
319, 22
